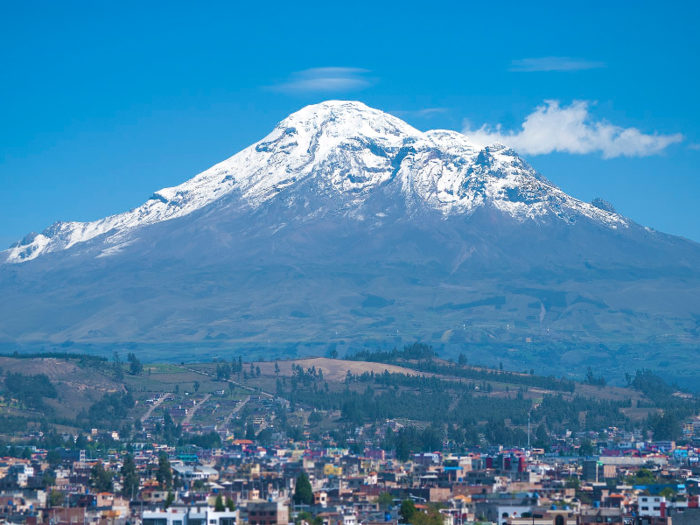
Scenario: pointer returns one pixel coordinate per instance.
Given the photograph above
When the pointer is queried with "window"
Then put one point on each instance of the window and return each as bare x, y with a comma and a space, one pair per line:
151, 521
212, 522
177, 522
227, 521
645, 508
559, 520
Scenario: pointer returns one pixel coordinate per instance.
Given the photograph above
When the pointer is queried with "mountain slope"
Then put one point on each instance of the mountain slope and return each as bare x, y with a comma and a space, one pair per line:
347, 225
349, 151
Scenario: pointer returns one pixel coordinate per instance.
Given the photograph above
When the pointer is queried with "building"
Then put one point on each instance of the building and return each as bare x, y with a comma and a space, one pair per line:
186, 515
262, 512
652, 506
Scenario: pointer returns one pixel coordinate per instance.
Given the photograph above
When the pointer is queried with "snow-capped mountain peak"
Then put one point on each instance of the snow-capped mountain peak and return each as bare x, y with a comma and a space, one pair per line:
346, 150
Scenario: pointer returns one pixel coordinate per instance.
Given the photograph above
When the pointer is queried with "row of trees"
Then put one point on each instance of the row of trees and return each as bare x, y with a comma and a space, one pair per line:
419, 356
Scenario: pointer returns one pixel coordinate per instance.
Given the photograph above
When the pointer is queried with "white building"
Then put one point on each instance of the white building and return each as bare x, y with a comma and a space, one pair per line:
652, 506
178, 515
192, 473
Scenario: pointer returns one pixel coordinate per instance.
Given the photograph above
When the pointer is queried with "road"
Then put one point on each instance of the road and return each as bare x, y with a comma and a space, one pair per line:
235, 411
189, 415
155, 405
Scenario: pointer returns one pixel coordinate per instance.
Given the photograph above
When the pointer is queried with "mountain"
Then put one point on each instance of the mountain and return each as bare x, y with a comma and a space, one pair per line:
347, 226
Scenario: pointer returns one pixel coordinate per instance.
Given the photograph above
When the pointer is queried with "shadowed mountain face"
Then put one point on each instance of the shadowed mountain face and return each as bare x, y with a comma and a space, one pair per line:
346, 225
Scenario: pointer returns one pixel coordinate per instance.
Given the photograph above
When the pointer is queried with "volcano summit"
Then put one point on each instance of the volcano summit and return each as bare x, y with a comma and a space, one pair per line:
346, 225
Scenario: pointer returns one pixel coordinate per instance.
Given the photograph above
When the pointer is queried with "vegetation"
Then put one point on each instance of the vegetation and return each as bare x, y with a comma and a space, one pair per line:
100, 479
130, 477
29, 390
303, 493
112, 407
164, 475
420, 357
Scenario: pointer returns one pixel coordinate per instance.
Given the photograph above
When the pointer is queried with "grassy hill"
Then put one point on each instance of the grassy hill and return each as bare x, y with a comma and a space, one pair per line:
204, 396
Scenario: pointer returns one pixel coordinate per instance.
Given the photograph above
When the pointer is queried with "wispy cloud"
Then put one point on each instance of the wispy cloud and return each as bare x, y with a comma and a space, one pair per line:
325, 79
564, 64
572, 129
421, 113
696, 147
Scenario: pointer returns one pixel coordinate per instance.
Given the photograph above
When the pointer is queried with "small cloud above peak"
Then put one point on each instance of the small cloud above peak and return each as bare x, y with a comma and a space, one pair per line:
325, 80
560, 64
425, 113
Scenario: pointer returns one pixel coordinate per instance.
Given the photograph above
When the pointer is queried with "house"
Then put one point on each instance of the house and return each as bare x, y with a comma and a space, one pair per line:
262, 512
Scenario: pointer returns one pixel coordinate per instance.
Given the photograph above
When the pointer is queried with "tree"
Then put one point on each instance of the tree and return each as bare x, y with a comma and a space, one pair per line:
307, 517
385, 500
169, 499
219, 504
196, 386
55, 498
587, 448
198, 485
164, 475
541, 437
229, 504
432, 517
334, 354
277, 368
303, 493
407, 510
135, 366
665, 426
667, 493
130, 478
53, 458
257, 371
100, 479
250, 432
48, 478
81, 442
572, 483
462, 361
315, 417
117, 367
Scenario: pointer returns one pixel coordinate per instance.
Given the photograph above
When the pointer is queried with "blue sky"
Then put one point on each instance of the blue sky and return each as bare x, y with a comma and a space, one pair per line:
103, 103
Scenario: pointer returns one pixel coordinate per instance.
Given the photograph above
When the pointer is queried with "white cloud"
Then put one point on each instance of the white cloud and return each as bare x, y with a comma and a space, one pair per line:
422, 113
325, 79
696, 147
528, 65
572, 129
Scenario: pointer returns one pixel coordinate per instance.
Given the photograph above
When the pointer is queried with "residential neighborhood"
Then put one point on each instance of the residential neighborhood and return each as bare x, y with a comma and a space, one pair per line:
627, 481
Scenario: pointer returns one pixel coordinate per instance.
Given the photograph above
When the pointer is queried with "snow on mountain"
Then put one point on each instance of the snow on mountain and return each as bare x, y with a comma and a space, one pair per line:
349, 150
